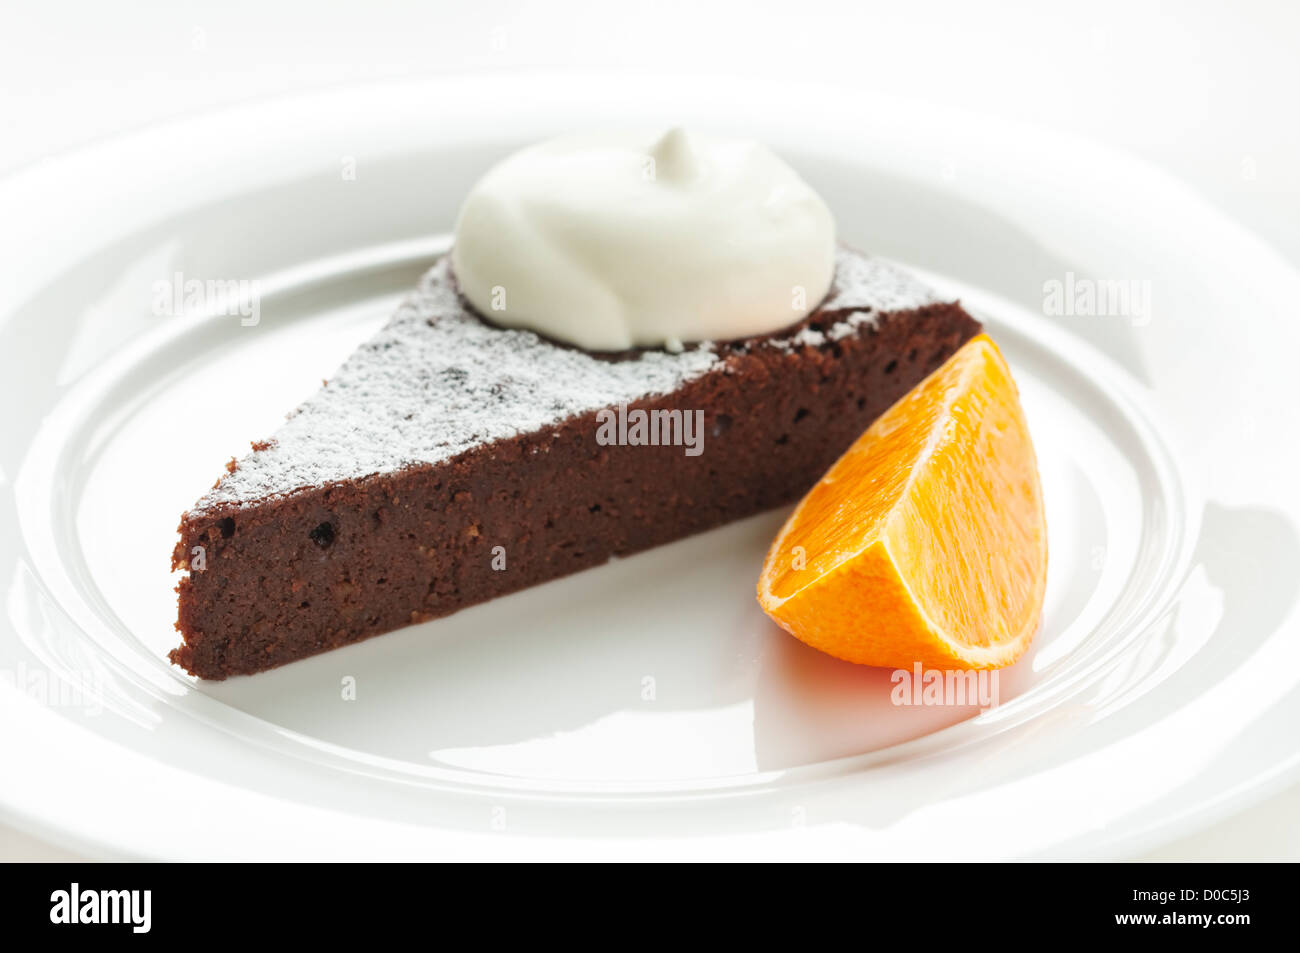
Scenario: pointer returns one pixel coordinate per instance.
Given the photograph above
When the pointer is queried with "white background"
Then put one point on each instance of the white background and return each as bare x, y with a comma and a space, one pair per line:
1207, 91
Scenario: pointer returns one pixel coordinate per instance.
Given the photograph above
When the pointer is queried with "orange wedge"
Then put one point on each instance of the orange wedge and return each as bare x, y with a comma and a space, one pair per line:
926, 541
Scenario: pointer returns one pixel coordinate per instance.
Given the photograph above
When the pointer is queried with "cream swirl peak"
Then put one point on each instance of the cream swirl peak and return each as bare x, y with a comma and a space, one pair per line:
618, 240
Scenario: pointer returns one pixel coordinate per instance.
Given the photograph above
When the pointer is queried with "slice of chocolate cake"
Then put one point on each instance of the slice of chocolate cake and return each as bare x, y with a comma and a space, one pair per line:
450, 461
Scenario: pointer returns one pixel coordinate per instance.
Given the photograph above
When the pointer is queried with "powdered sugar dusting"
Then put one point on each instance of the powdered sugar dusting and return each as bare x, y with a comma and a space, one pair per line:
865, 284
437, 381
864, 289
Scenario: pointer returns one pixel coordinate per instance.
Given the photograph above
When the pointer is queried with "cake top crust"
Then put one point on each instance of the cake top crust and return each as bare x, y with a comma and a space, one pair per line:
438, 381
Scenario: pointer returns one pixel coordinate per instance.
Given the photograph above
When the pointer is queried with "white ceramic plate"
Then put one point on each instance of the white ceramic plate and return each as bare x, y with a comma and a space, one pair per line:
646, 708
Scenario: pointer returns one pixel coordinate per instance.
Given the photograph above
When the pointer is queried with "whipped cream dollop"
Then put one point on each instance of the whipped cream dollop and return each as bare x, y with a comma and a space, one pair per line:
620, 240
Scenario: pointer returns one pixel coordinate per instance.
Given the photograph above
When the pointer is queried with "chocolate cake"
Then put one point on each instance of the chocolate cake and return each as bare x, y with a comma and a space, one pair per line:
450, 461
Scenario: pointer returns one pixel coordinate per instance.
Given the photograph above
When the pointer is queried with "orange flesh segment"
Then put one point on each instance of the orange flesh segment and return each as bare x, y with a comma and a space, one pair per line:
926, 541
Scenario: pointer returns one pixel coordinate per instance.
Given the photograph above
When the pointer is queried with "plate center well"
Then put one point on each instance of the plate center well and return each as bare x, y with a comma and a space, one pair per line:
657, 668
